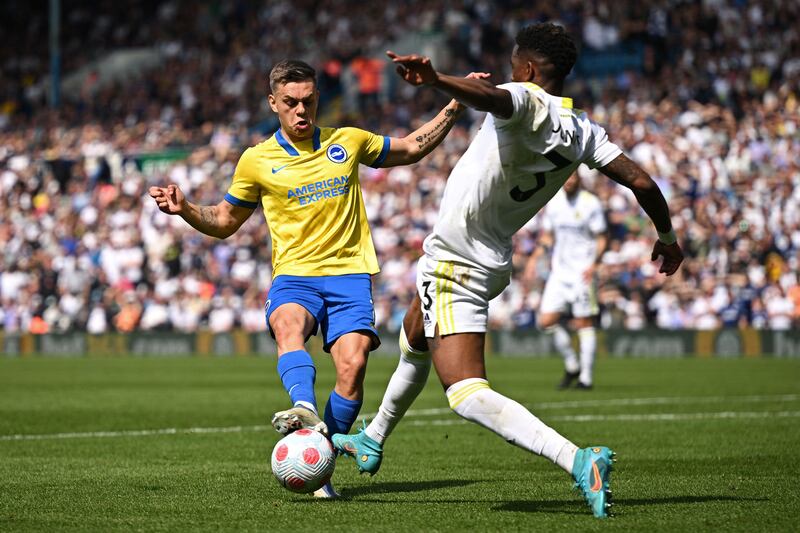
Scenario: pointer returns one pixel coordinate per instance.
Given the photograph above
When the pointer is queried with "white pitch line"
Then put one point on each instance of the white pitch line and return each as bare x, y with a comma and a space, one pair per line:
663, 400
655, 417
446, 422
680, 416
667, 400
135, 433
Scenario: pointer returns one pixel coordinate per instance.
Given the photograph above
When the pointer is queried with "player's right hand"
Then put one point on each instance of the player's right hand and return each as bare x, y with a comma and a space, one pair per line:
672, 254
415, 69
169, 199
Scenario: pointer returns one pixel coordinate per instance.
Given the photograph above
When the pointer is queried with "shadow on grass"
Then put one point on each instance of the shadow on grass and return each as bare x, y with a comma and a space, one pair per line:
577, 506
393, 487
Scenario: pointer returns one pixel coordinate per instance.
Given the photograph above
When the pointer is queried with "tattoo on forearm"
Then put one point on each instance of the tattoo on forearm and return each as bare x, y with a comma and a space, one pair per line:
432, 136
208, 217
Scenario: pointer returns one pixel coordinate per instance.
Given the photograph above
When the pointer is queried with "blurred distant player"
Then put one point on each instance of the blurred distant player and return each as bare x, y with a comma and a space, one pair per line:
573, 226
529, 144
305, 179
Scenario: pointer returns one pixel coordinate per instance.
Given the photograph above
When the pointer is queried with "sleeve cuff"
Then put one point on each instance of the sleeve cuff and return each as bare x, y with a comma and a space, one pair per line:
240, 203
384, 152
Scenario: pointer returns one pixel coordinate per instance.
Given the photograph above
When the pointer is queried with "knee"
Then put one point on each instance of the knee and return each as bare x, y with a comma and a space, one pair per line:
350, 370
287, 330
462, 393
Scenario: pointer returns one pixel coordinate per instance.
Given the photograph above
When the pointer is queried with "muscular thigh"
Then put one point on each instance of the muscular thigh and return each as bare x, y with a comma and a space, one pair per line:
458, 357
291, 324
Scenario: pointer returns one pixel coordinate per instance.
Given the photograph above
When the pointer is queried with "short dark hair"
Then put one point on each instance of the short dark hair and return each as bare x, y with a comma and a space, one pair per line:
290, 70
552, 42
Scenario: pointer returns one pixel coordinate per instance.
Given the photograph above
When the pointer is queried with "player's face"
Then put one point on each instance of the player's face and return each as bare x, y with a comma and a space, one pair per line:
521, 66
296, 105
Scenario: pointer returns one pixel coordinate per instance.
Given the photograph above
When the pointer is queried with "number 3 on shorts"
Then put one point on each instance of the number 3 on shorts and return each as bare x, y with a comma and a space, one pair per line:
427, 301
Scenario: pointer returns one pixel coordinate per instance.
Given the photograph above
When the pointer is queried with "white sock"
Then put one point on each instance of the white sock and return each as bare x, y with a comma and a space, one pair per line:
308, 405
588, 338
563, 344
474, 400
406, 383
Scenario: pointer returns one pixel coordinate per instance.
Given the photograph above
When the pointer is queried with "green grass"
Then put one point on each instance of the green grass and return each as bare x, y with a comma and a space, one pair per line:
675, 472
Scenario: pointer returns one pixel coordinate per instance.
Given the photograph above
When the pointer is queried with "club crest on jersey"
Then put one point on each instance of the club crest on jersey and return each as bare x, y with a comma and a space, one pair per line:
336, 153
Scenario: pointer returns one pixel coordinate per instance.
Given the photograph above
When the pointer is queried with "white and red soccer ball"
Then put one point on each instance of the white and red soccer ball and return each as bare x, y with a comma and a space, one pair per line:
303, 460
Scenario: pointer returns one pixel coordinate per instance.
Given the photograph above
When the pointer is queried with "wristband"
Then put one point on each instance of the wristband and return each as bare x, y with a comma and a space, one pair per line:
668, 237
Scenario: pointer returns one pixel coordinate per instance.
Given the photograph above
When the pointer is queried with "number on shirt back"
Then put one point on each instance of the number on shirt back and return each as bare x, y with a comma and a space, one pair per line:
560, 163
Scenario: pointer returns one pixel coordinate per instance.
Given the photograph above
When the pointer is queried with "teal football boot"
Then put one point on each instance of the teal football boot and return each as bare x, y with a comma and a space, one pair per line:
592, 473
367, 452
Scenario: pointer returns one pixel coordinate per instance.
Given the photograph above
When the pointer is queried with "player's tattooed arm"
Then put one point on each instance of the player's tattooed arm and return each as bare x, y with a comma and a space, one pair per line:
220, 220
428, 137
628, 174
418, 144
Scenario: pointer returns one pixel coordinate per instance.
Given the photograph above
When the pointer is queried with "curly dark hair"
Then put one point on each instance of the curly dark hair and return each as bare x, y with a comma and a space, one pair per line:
552, 42
290, 70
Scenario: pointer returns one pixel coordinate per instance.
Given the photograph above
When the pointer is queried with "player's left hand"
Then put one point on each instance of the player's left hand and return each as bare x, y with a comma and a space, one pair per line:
672, 254
415, 69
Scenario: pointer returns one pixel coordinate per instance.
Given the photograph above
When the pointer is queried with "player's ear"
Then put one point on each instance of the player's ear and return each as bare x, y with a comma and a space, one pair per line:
530, 70
272, 102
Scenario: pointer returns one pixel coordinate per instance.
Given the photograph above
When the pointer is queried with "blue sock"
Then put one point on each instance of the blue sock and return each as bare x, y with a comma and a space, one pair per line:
340, 413
298, 375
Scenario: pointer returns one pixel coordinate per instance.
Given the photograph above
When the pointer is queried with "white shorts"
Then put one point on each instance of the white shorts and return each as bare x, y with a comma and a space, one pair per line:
455, 296
578, 296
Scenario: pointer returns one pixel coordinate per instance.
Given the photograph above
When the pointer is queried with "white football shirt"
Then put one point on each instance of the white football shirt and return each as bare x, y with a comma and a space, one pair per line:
575, 223
511, 169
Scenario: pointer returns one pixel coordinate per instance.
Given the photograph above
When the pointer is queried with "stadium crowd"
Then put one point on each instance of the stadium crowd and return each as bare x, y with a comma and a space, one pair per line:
711, 111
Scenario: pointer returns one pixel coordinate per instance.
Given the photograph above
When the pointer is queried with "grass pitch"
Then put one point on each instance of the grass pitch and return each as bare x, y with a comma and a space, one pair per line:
183, 444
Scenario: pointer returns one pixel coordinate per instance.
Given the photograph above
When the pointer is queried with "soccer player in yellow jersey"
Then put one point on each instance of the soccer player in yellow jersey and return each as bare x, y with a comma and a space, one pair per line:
305, 178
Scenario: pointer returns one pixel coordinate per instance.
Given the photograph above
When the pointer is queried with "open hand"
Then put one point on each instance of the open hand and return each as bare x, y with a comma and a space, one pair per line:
672, 254
169, 199
415, 69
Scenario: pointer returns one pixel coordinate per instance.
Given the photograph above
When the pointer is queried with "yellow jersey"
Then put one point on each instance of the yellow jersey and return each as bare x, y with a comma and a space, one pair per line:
311, 197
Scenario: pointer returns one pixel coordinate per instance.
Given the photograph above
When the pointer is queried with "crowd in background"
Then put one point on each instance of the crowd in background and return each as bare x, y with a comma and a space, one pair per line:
710, 110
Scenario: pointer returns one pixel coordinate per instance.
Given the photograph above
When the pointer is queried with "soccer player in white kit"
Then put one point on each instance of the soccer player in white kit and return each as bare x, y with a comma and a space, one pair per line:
529, 144
574, 226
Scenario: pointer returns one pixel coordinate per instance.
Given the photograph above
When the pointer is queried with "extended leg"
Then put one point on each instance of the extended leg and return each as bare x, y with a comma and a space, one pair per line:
459, 362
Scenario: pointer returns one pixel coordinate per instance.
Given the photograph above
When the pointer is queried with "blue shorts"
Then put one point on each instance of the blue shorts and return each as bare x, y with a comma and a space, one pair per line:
340, 304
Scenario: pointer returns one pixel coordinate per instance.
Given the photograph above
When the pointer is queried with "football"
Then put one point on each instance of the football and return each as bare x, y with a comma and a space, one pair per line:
303, 461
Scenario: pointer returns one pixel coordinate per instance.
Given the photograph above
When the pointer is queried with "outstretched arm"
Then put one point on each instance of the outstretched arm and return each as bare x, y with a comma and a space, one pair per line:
630, 175
476, 93
420, 143
221, 220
